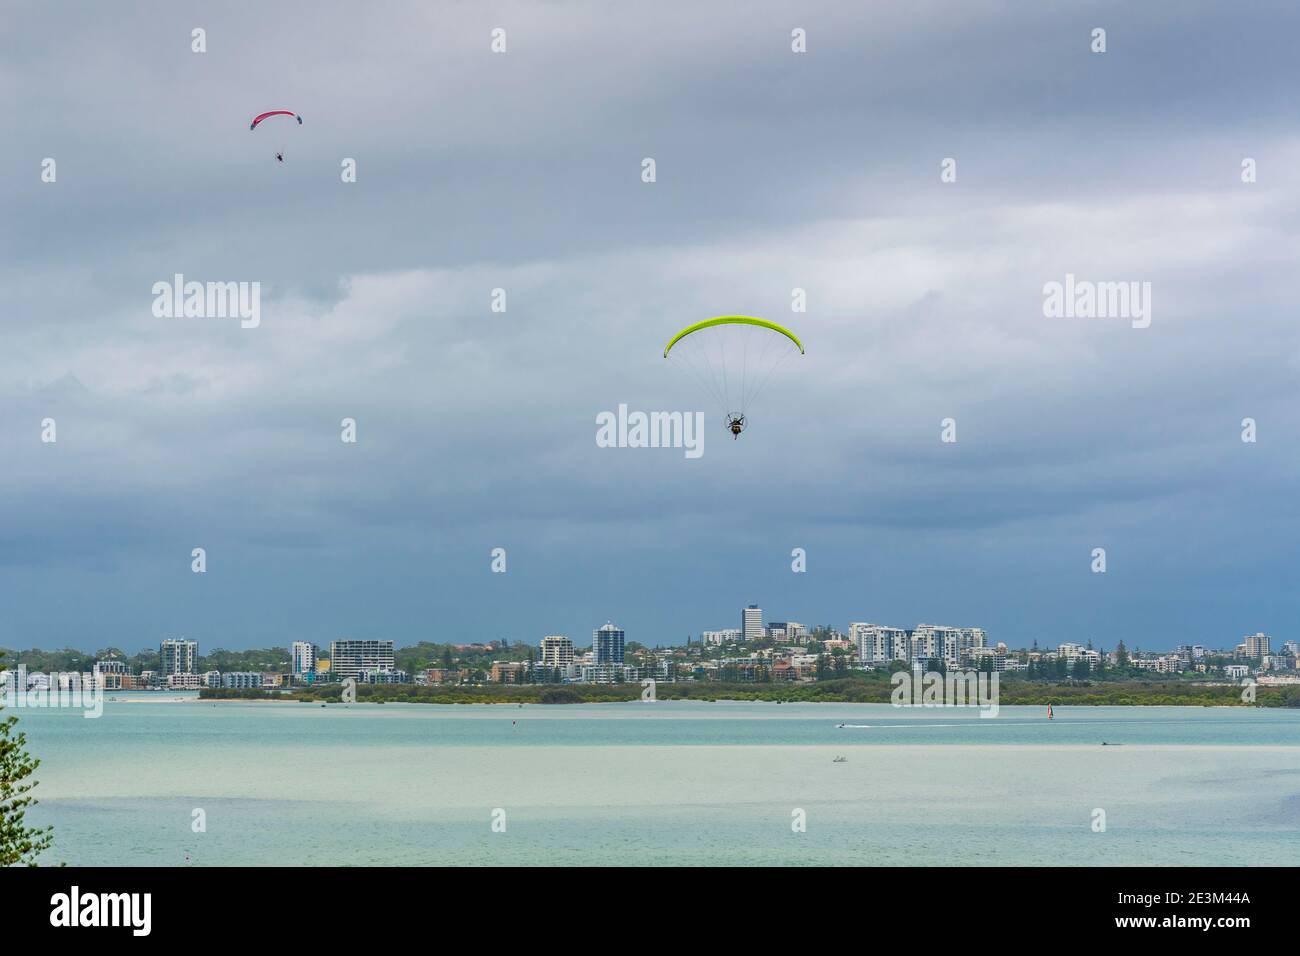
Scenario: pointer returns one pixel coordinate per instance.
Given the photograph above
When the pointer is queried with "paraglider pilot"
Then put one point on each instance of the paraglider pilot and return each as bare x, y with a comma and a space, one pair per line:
736, 425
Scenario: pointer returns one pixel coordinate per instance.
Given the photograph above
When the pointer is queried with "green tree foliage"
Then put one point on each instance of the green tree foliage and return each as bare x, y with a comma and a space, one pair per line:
269, 659
19, 843
862, 687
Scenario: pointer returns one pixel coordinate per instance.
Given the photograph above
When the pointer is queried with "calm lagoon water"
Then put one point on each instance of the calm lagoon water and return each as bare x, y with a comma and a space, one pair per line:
666, 783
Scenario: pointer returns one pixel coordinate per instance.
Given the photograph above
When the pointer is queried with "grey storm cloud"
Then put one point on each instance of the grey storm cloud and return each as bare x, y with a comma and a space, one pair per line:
522, 171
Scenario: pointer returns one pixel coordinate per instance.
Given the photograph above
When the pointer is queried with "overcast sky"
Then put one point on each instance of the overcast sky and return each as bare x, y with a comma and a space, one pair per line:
522, 171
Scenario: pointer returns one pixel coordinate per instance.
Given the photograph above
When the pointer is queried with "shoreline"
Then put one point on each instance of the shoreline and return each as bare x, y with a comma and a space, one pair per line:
849, 691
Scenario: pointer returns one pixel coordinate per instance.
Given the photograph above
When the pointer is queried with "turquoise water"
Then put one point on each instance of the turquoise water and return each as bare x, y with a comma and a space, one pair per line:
671, 783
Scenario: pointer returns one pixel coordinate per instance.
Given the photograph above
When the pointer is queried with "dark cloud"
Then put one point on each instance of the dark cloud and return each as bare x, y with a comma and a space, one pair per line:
522, 171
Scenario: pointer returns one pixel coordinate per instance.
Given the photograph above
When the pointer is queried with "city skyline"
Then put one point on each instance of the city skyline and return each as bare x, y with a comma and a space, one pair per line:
790, 653
883, 635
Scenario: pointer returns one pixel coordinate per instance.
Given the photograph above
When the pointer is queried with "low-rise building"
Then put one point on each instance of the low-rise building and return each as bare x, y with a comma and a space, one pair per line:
1165, 664
111, 674
383, 675
241, 680
728, 635
444, 675
509, 672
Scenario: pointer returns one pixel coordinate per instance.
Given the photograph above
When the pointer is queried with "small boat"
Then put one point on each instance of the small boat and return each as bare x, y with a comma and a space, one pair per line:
840, 760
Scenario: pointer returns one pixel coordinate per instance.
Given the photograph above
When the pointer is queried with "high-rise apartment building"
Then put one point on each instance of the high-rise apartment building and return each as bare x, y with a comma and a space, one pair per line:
751, 623
1256, 645
607, 644
304, 657
877, 644
177, 656
557, 651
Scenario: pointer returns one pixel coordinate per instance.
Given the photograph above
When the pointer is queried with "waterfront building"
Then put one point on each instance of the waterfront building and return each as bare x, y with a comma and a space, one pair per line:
989, 658
730, 635
927, 643
1164, 664
805, 666
876, 644
607, 644
557, 651
241, 680
971, 638
177, 656
608, 673
70, 681
110, 674
791, 631
751, 623
304, 657
184, 681
349, 658
509, 672
1076, 652
1255, 645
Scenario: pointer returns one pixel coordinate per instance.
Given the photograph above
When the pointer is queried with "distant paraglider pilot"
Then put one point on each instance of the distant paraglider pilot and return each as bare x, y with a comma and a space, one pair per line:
260, 117
732, 356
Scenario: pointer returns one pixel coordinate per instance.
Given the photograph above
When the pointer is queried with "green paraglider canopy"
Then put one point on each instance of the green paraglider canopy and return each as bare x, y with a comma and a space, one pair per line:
733, 320
733, 357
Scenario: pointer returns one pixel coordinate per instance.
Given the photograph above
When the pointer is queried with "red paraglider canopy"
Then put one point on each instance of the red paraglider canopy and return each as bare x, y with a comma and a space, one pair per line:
261, 116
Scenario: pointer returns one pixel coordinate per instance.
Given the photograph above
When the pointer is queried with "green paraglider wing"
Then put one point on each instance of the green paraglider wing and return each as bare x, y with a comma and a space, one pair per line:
732, 320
